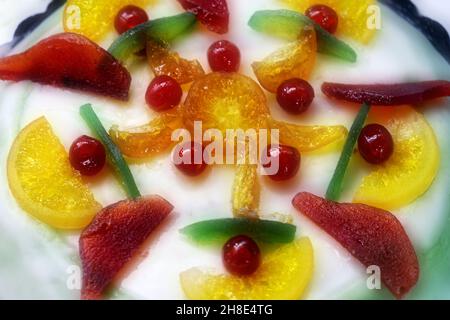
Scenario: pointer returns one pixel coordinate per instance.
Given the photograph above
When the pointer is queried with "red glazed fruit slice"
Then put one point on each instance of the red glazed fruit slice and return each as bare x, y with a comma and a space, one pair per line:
212, 13
70, 61
373, 236
114, 236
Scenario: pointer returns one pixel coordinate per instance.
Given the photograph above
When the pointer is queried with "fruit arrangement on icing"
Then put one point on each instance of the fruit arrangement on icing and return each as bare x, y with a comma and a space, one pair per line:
263, 258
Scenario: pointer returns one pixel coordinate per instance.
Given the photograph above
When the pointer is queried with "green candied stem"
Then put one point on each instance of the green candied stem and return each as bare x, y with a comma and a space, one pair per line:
335, 186
115, 157
162, 30
220, 230
289, 24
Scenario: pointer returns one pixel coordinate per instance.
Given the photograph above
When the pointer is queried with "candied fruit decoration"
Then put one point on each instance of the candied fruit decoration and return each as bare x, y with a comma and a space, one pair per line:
375, 143
129, 17
224, 56
163, 93
295, 95
188, 158
70, 61
213, 14
324, 16
87, 155
353, 16
114, 237
163, 61
388, 94
241, 255
371, 235
149, 140
95, 18
246, 191
295, 60
287, 159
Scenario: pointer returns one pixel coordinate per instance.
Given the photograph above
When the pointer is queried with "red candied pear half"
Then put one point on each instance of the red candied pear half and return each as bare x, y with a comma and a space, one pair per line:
371, 235
70, 61
114, 237
213, 14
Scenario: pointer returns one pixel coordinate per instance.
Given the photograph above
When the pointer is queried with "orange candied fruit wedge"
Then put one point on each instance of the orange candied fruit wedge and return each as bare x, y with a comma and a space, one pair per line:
295, 60
163, 61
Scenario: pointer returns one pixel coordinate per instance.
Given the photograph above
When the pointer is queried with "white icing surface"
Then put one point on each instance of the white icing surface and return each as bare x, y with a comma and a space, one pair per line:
397, 54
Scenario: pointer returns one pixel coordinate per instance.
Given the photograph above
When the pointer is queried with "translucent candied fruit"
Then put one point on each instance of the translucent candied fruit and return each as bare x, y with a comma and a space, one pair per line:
163, 61
246, 191
295, 60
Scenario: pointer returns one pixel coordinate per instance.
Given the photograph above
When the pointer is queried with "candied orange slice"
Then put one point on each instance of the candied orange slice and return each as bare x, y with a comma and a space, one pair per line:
283, 275
309, 138
295, 60
95, 18
163, 61
411, 169
151, 139
246, 191
43, 181
355, 16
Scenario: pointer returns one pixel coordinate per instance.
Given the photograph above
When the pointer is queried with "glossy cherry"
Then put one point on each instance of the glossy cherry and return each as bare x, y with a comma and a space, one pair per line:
188, 158
281, 162
163, 93
224, 56
324, 16
295, 95
375, 144
87, 155
241, 255
129, 17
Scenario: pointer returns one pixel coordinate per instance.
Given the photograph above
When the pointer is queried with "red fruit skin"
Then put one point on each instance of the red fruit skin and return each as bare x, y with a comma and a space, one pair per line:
371, 235
212, 13
114, 236
70, 61
388, 94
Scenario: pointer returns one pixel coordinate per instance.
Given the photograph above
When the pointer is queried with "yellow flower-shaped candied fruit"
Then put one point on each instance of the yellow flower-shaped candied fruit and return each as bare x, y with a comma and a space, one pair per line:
357, 18
44, 183
163, 61
95, 18
284, 274
295, 60
411, 169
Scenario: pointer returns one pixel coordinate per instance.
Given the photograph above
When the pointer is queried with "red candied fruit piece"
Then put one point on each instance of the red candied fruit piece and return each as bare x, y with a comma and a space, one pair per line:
70, 61
371, 235
114, 237
212, 13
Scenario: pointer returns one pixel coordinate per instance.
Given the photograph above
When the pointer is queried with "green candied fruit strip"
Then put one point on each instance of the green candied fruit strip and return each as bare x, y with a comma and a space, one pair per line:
289, 24
163, 30
220, 230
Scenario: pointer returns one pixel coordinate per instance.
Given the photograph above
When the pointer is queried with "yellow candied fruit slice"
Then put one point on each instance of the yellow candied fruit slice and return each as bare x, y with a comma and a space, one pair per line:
411, 169
151, 139
226, 101
309, 138
246, 191
95, 18
355, 16
163, 61
295, 60
283, 275
43, 181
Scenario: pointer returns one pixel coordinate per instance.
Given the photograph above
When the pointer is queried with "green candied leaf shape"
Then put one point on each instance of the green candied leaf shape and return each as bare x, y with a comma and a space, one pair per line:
289, 24
335, 187
163, 30
220, 230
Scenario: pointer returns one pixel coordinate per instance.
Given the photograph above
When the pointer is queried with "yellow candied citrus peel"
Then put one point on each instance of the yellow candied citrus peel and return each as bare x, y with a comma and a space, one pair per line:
95, 18
43, 181
163, 61
284, 274
151, 139
354, 16
295, 60
246, 191
411, 169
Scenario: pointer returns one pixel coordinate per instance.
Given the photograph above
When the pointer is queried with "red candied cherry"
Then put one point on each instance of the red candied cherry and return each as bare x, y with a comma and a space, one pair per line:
87, 155
241, 255
224, 56
129, 17
375, 144
295, 95
281, 162
324, 16
188, 158
163, 93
